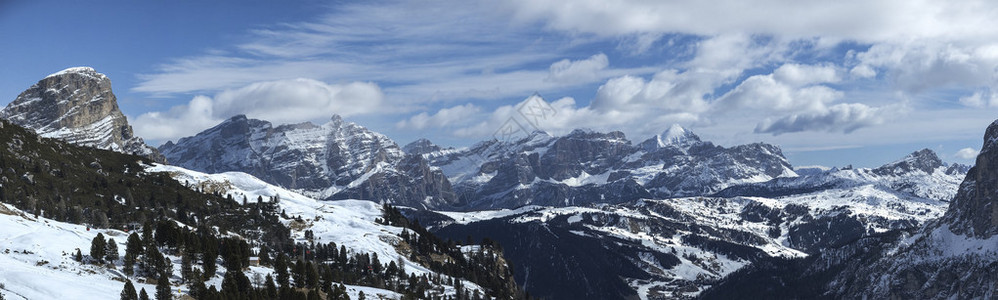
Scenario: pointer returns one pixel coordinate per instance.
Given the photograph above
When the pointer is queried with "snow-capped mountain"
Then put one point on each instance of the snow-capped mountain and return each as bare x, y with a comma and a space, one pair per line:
336, 160
78, 106
952, 257
592, 167
919, 175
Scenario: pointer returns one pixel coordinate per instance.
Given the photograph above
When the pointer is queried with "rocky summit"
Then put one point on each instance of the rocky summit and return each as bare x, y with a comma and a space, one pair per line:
77, 105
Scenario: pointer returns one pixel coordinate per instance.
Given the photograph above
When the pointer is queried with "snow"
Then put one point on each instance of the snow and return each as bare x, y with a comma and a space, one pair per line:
77, 70
350, 223
37, 259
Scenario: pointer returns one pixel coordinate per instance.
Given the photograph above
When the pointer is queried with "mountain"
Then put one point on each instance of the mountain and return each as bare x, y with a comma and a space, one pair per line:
951, 257
336, 160
676, 136
586, 167
679, 247
77, 105
421, 146
919, 175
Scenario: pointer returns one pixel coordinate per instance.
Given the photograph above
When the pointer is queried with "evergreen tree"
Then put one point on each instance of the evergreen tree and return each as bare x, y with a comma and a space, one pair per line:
210, 255
270, 288
360, 296
79, 255
97, 248
143, 295
111, 252
281, 267
129, 292
133, 248
163, 287
185, 267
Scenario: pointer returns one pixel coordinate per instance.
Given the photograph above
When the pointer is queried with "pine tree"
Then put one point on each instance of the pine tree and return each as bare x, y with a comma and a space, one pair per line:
185, 267
133, 248
281, 267
129, 292
270, 287
79, 255
360, 296
163, 287
97, 248
143, 295
111, 252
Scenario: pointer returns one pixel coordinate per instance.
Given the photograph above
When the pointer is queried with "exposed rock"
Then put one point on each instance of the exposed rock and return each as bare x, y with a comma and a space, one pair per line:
78, 106
420, 146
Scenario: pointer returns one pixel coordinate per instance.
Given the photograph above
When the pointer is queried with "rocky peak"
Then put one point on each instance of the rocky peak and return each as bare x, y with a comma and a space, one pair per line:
974, 210
924, 160
676, 136
78, 106
420, 147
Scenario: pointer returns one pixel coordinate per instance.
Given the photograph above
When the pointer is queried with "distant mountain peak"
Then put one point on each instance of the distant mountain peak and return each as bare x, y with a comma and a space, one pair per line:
675, 136
77, 105
421, 146
924, 160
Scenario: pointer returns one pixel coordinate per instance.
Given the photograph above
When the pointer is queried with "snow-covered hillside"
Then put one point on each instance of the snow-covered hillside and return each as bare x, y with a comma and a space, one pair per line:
350, 223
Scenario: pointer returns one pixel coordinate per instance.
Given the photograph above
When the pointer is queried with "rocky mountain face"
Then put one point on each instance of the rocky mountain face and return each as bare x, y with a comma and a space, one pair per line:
336, 160
78, 106
421, 146
592, 167
949, 258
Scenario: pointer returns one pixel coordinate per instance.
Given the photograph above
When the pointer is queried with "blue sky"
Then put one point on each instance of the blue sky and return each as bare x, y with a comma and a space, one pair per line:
848, 82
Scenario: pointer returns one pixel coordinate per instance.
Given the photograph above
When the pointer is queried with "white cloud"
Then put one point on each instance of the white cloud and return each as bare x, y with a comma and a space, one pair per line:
578, 71
863, 71
967, 153
925, 65
179, 121
300, 99
800, 75
283, 101
845, 117
444, 117
980, 99
865, 21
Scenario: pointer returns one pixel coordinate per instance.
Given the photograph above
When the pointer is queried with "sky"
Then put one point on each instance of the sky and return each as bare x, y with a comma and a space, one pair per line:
833, 83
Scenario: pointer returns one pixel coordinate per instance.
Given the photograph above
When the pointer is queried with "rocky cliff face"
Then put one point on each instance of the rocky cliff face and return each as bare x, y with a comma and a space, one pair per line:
336, 160
78, 106
974, 210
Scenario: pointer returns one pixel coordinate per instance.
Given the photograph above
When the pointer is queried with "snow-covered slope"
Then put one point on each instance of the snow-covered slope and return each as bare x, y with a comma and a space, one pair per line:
78, 106
37, 262
350, 223
336, 160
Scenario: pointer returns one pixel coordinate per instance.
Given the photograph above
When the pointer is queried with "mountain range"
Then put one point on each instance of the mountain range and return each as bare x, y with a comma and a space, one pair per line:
587, 214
